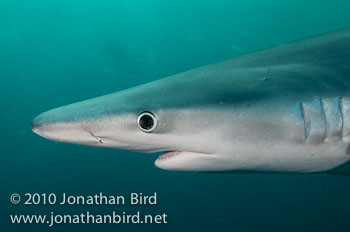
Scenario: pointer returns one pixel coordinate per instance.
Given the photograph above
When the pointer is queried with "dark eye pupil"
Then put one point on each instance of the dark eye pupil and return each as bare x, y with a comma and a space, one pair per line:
146, 122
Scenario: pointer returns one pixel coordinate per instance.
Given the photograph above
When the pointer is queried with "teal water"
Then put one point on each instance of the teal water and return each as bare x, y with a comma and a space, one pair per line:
53, 53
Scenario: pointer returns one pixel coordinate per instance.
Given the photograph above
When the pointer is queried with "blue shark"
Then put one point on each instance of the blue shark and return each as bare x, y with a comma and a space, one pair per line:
284, 109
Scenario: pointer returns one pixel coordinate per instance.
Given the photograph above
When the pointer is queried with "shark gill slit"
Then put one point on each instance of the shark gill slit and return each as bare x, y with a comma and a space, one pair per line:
306, 122
345, 119
345, 112
325, 119
341, 117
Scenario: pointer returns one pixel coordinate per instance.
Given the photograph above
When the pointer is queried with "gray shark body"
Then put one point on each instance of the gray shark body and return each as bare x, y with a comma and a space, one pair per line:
283, 109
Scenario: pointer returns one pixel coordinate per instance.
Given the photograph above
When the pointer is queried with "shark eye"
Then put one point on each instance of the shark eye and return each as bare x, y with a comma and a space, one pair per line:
147, 122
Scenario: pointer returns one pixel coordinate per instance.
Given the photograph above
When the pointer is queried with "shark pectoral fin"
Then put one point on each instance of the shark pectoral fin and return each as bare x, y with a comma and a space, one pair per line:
189, 161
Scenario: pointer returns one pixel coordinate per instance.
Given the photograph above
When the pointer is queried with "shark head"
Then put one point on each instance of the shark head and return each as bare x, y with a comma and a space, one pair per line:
160, 116
276, 110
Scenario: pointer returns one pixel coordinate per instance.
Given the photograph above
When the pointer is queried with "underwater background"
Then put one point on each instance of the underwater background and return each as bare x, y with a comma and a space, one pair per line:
56, 52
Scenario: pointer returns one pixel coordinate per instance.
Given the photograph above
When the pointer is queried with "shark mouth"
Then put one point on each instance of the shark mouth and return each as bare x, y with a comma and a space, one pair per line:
180, 160
168, 155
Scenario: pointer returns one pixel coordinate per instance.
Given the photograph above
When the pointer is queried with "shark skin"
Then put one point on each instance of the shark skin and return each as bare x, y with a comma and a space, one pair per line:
284, 109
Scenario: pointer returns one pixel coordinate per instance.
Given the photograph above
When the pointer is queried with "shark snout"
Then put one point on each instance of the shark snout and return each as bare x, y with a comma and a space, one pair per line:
42, 126
37, 123
51, 126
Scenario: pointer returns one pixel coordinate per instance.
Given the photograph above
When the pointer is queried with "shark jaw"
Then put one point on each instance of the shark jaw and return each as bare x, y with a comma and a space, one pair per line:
187, 161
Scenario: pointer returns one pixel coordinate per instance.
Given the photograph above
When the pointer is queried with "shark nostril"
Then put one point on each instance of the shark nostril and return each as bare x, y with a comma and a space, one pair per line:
97, 138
